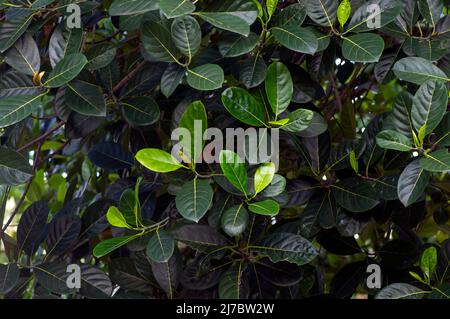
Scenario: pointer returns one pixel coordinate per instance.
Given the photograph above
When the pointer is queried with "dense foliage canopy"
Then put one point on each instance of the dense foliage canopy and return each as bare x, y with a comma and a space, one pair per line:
357, 91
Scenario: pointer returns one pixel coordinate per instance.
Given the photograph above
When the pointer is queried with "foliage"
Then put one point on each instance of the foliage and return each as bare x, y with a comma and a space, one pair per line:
87, 177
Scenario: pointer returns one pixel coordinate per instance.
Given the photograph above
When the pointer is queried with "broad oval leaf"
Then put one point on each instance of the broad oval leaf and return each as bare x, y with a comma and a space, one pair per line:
107, 246
200, 237
53, 276
437, 161
234, 45
64, 41
63, 232
367, 18
111, 156
24, 56
234, 169
9, 276
140, 111
195, 121
234, 220
299, 120
233, 284
160, 246
355, 195
252, 72
157, 42
176, 8
244, 106
116, 218
263, 177
14, 109
85, 98
429, 106
186, 35
401, 291
157, 160
66, 70
32, 228
132, 7
296, 38
282, 246
16, 23
322, 12
364, 48
418, 70
14, 168
394, 141
194, 199
279, 87
412, 183
267, 207
206, 77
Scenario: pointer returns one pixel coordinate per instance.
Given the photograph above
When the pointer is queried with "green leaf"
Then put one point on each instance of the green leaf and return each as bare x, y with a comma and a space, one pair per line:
394, 141
200, 237
16, 108
412, 183
418, 71
176, 8
292, 248
226, 21
429, 106
234, 170
431, 10
401, 291
267, 207
355, 195
354, 161
293, 14
132, 7
130, 206
105, 247
253, 71
100, 56
85, 98
233, 284
244, 106
171, 78
53, 276
157, 160
279, 87
343, 12
205, 77
16, 23
322, 12
9, 276
364, 48
235, 45
234, 220
186, 35
157, 42
160, 247
66, 70
64, 41
428, 262
401, 114
299, 120
443, 131
271, 6
296, 38
116, 218
140, 111
365, 18
194, 199
24, 56
263, 177
194, 119
13, 83
438, 161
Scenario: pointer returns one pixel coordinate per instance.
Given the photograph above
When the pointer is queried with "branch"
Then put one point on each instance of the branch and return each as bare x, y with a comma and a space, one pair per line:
41, 138
129, 76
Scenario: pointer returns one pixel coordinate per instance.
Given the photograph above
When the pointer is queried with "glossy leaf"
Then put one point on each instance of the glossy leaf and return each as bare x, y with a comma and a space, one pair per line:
194, 199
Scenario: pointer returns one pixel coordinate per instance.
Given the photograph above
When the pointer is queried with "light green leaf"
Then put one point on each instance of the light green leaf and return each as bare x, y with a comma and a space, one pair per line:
157, 160
343, 12
116, 218
109, 245
428, 262
263, 176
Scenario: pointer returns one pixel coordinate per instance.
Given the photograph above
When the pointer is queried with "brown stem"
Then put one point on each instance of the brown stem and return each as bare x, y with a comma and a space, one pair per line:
41, 138
128, 76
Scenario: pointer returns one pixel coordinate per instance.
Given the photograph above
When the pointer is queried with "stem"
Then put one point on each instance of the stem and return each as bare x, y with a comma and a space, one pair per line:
41, 138
129, 76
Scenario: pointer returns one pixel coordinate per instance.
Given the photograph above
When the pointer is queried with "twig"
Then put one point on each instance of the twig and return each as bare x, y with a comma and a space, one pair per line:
128, 76
41, 138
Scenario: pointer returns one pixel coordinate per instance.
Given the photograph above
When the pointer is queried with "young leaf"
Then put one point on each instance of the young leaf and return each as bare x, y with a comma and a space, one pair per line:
263, 177
105, 247
428, 262
116, 218
343, 12
157, 160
